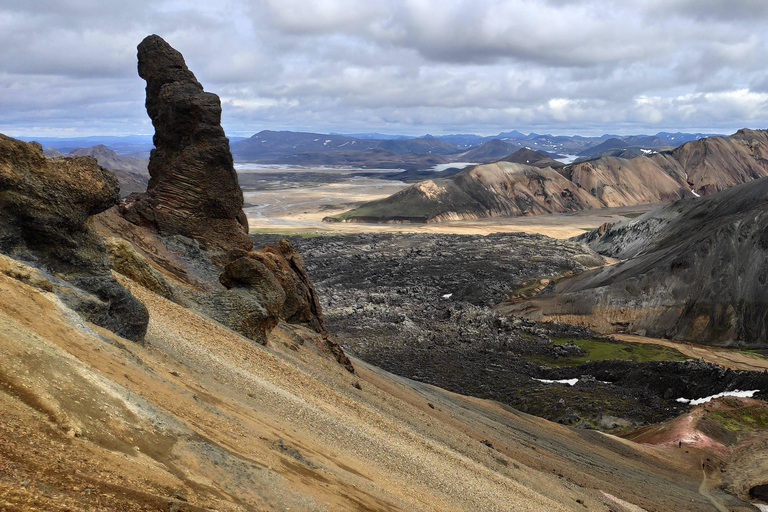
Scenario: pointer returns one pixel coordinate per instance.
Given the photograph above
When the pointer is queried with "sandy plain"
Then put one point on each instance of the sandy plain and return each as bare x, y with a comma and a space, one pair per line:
295, 200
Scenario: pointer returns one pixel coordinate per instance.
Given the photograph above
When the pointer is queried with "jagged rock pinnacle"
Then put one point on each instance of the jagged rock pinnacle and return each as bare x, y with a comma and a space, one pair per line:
193, 190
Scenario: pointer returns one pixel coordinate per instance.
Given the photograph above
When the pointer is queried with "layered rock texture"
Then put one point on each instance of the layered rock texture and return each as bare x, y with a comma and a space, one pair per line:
186, 238
193, 189
699, 167
45, 207
694, 270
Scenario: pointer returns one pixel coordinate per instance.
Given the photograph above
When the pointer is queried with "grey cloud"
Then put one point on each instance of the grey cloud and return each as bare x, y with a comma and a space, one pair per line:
394, 65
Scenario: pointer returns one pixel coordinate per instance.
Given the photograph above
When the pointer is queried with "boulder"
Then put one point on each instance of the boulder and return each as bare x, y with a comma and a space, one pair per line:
45, 206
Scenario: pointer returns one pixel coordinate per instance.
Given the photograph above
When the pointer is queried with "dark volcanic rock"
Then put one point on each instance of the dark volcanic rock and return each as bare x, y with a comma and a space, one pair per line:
193, 190
44, 208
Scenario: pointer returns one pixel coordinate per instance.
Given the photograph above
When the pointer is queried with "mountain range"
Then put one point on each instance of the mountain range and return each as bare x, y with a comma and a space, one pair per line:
696, 168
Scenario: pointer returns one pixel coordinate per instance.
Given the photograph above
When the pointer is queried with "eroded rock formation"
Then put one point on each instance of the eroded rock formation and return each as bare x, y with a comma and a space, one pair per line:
193, 189
45, 205
190, 224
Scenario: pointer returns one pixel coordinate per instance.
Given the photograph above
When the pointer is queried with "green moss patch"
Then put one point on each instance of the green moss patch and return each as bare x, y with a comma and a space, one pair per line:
600, 350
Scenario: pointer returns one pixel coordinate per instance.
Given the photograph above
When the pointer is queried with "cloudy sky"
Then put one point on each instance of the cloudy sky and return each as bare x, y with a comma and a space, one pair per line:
68, 67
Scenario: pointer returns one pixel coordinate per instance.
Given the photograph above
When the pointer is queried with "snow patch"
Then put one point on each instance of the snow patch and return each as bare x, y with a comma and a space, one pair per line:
447, 295
570, 382
695, 194
699, 401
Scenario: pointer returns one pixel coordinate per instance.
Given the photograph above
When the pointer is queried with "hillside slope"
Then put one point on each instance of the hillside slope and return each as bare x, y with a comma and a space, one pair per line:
694, 270
202, 418
491, 190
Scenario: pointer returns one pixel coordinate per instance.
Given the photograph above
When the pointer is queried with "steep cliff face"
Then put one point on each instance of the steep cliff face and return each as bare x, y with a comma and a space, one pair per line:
193, 189
694, 270
45, 207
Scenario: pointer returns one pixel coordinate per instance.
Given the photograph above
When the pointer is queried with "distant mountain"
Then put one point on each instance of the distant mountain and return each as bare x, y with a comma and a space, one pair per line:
606, 145
111, 160
462, 140
491, 151
127, 145
273, 147
699, 167
284, 147
131, 172
534, 158
421, 146
514, 134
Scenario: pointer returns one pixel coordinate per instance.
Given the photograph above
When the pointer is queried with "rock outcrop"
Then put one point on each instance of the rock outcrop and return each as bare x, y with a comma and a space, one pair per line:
193, 190
188, 238
693, 270
45, 205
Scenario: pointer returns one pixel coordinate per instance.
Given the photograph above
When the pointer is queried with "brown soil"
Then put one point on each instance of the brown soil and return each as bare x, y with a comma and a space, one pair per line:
202, 418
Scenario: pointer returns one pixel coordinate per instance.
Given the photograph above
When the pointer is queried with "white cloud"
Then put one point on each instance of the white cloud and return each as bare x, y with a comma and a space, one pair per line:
395, 65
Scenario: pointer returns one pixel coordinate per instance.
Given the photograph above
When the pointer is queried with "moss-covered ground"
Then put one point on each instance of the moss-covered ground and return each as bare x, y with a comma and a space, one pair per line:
598, 350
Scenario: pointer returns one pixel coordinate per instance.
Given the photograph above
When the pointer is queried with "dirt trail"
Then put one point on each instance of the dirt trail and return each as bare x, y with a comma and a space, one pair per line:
704, 491
729, 358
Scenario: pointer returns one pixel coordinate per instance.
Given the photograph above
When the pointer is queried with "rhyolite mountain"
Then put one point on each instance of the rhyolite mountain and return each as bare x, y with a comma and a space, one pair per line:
490, 190
693, 270
699, 167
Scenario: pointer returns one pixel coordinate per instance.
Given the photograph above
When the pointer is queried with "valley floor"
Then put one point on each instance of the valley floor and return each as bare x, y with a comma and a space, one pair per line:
294, 201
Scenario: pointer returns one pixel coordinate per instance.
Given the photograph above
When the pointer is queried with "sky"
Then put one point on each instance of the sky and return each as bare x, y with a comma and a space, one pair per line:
68, 67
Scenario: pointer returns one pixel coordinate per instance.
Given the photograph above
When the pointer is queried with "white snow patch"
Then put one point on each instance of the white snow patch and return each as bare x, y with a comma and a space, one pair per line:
695, 194
447, 295
699, 401
761, 508
316, 140
570, 382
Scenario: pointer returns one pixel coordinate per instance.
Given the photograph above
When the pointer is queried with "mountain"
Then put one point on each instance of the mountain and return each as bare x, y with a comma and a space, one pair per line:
129, 145
109, 159
421, 146
693, 270
491, 190
699, 167
271, 146
130, 171
488, 152
606, 145
534, 158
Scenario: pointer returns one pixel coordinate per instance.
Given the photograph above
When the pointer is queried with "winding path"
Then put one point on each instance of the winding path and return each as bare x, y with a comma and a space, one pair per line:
729, 358
704, 491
